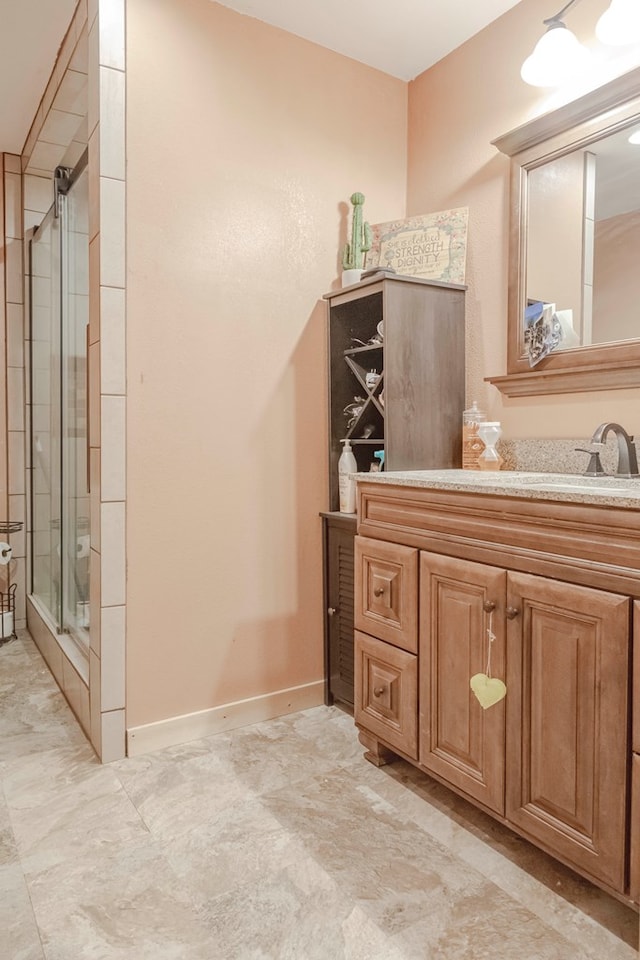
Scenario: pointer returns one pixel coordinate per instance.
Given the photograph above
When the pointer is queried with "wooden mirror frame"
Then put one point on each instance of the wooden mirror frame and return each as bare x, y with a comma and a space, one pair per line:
606, 366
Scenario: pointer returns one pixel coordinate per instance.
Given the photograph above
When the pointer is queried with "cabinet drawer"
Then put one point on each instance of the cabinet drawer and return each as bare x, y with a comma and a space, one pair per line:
386, 601
386, 693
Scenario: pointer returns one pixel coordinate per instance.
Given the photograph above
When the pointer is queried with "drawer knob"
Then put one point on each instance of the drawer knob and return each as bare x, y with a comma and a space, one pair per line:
332, 610
378, 591
512, 613
378, 691
488, 606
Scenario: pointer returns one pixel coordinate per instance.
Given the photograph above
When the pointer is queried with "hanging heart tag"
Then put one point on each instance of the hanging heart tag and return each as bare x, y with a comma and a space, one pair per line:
487, 689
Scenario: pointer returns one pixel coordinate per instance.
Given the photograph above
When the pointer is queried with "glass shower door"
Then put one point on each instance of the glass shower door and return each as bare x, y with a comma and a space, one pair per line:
59, 432
46, 457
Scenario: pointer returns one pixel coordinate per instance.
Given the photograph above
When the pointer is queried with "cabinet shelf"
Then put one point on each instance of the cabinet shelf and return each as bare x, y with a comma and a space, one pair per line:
367, 348
413, 411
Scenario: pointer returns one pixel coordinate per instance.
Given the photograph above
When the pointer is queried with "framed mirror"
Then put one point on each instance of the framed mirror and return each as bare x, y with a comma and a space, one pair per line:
574, 246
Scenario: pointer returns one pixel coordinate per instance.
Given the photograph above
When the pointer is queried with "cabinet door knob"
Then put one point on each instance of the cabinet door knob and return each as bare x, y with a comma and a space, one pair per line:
378, 691
378, 591
332, 610
512, 613
488, 606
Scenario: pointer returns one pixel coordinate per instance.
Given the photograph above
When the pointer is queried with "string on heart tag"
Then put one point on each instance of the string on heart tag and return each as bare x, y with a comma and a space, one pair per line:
487, 689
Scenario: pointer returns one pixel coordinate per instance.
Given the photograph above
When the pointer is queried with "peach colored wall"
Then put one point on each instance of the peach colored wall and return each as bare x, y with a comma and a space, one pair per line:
243, 145
455, 110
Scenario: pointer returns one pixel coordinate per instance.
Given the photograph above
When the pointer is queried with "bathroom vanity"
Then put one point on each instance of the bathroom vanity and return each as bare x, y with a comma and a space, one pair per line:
540, 573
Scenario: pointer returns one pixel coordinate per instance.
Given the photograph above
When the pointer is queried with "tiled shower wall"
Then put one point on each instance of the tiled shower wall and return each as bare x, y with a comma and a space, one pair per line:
107, 371
96, 691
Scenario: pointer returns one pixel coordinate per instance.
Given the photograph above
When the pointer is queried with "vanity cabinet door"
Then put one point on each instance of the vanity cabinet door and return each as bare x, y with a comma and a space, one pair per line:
634, 880
567, 721
386, 592
459, 740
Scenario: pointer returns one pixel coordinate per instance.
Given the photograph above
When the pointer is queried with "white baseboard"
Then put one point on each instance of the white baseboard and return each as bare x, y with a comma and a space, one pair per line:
192, 726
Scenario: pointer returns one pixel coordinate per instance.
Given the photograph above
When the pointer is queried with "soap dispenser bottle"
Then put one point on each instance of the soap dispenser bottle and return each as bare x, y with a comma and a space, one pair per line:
347, 466
472, 444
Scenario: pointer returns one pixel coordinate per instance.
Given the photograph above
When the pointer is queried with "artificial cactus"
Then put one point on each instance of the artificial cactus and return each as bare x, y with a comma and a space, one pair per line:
352, 257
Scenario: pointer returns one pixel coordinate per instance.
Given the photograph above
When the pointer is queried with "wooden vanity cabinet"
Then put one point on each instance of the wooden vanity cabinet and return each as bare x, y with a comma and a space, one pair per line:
553, 759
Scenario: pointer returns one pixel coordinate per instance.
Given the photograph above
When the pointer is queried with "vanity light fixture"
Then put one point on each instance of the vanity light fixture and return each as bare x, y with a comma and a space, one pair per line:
620, 24
559, 56
635, 137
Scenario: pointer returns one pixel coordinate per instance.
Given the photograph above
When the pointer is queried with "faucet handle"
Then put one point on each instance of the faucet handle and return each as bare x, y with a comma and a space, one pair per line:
594, 467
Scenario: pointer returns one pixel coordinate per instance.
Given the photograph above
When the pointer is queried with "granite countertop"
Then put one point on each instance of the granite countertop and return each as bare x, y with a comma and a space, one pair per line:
602, 491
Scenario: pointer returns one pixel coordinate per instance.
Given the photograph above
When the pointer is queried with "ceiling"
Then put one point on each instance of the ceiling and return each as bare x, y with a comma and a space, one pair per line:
402, 39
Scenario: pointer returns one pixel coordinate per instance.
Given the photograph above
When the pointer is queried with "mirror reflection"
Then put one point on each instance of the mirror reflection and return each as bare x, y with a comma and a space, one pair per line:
583, 241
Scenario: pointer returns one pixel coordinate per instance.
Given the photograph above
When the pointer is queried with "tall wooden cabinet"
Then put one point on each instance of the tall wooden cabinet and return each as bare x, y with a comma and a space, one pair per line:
444, 580
396, 384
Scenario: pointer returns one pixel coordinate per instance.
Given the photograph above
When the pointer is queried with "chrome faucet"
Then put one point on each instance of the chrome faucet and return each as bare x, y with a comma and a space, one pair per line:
627, 458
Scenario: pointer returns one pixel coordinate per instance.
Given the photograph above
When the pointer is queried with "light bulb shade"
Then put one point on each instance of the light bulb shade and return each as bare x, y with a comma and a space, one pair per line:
620, 24
557, 57
635, 138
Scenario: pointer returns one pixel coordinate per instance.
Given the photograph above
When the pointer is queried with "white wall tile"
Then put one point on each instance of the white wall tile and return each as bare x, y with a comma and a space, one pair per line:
112, 33
20, 578
94, 182
112, 123
16, 462
113, 478
94, 289
112, 658
47, 156
112, 341
77, 693
95, 497
95, 600
15, 398
12, 205
112, 233
32, 220
113, 736
94, 394
38, 193
113, 554
80, 58
15, 335
60, 128
13, 266
94, 702
72, 94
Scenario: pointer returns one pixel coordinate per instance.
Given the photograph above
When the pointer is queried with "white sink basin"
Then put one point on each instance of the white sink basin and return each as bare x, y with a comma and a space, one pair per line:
603, 486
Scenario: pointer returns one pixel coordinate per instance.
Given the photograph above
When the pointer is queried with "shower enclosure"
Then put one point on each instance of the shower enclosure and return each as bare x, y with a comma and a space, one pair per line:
60, 537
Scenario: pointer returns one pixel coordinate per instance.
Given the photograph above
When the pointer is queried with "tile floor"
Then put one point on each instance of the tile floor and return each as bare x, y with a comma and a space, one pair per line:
273, 842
